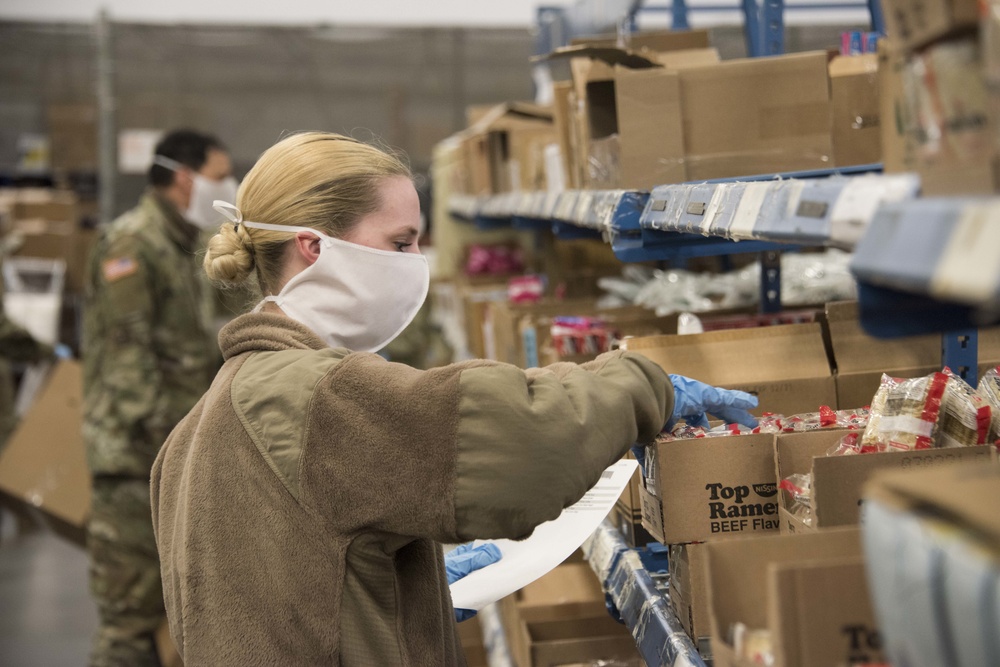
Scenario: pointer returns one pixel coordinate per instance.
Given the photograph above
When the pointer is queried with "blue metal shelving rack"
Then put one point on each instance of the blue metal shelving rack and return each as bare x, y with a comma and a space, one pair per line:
763, 20
634, 584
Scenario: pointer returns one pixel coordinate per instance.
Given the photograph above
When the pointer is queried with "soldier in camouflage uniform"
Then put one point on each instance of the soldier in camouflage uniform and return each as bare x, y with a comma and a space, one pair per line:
148, 355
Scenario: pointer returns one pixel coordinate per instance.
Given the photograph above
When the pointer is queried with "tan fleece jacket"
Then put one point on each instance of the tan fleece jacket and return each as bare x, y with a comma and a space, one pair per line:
299, 507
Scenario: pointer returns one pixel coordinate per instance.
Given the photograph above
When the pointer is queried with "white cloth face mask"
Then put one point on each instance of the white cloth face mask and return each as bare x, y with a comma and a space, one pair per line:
352, 296
204, 191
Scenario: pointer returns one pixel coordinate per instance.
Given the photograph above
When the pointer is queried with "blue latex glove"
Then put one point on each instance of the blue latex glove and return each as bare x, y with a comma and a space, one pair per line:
463, 561
63, 351
692, 399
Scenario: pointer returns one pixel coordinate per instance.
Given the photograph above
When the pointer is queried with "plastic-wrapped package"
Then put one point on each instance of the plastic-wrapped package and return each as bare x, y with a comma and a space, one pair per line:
938, 410
581, 335
989, 389
754, 646
965, 416
799, 489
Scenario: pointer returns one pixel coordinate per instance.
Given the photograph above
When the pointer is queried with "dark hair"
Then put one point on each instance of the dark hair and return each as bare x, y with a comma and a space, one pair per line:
188, 147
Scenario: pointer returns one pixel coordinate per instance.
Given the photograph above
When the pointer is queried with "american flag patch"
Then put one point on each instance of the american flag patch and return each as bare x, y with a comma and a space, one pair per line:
115, 269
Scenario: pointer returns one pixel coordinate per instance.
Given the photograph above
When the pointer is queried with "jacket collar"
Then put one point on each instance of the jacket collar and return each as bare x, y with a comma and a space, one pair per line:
266, 332
178, 229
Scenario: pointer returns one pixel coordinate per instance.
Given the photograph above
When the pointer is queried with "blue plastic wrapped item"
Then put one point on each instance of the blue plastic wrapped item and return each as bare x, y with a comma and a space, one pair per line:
665, 207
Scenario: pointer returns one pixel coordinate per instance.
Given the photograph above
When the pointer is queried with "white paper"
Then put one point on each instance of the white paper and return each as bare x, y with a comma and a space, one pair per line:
135, 150
552, 542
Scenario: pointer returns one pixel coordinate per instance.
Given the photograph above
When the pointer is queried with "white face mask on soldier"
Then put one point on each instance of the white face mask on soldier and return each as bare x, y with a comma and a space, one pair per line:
204, 191
352, 296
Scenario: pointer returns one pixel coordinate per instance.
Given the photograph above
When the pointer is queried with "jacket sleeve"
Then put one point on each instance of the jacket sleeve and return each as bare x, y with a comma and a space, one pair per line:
472, 450
123, 282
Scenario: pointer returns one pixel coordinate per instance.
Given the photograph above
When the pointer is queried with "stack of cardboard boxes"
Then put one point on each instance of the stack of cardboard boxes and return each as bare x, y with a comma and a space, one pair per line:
48, 225
664, 109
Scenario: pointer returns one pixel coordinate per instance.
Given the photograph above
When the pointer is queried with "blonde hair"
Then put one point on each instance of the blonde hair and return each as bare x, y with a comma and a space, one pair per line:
320, 180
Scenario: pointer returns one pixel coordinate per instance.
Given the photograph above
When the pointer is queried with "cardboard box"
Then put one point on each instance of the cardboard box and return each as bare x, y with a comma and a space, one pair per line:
916, 23
933, 541
636, 130
709, 488
943, 130
475, 298
581, 640
544, 618
757, 116
630, 139
44, 463
839, 481
862, 359
58, 240
73, 137
785, 366
854, 90
505, 148
689, 589
809, 591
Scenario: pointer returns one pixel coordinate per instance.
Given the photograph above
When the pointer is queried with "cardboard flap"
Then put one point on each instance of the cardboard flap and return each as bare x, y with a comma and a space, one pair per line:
608, 55
838, 481
740, 356
967, 494
675, 60
44, 463
738, 591
794, 452
855, 351
866, 64
511, 114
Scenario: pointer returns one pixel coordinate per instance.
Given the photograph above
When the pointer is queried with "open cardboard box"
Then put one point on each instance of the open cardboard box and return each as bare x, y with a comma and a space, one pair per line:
44, 465
504, 149
575, 640
809, 591
785, 366
862, 359
709, 488
554, 615
839, 481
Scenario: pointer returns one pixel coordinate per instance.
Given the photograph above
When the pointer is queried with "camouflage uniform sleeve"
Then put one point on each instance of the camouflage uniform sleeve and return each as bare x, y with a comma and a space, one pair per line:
126, 294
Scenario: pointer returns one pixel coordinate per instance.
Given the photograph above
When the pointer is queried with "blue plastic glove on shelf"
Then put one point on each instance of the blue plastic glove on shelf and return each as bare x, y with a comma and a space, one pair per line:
693, 399
463, 561
63, 351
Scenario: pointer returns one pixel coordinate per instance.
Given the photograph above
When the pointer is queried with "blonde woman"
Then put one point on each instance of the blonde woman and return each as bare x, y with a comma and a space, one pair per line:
299, 508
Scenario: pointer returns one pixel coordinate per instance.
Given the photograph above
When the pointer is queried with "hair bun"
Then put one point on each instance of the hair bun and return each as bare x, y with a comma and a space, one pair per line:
229, 259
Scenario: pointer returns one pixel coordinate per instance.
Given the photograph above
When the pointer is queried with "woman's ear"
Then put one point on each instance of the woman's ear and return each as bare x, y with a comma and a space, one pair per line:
307, 245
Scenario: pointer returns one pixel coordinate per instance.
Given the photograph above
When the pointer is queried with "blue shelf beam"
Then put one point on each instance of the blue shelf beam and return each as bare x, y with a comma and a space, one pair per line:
959, 352
630, 578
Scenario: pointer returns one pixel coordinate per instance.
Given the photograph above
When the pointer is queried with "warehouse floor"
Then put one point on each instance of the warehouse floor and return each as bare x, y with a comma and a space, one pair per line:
47, 618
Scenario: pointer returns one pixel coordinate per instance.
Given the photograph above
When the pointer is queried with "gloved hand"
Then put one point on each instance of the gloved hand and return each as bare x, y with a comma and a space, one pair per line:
62, 351
463, 561
692, 399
